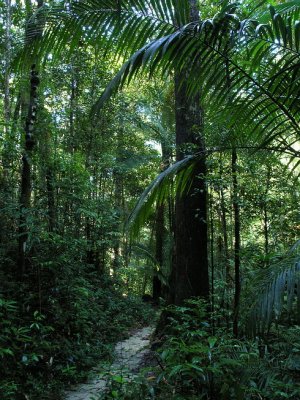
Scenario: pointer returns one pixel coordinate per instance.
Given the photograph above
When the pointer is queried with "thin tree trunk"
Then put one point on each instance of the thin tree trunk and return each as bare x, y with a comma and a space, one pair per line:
266, 230
266, 217
51, 200
48, 176
118, 182
118, 194
7, 110
157, 288
212, 259
73, 146
225, 232
25, 197
4, 176
225, 249
237, 243
72, 113
159, 235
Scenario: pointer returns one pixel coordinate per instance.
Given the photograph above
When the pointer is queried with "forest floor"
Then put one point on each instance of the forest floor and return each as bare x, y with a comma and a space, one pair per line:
130, 356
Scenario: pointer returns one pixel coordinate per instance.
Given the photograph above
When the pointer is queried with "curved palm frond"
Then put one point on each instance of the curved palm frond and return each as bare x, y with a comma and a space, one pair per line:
143, 251
275, 287
174, 181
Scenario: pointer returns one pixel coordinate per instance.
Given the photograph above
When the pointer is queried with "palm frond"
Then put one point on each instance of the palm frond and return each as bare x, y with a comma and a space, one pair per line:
261, 90
142, 251
275, 287
175, 180
125, 25
288, 8
262, 99
247, 71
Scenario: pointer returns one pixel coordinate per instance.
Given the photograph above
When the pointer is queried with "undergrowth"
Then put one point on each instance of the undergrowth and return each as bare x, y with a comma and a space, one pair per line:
52, 338
199, 361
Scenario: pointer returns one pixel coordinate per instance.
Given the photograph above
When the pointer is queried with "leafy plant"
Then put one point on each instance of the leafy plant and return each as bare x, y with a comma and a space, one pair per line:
276, 290
198, 363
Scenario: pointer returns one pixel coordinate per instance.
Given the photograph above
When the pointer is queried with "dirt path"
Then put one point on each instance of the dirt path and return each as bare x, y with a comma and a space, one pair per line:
129, 355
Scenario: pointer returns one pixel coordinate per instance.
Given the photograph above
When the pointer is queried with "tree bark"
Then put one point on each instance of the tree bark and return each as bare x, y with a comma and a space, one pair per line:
7, 110
25, 196
159, 242
190, 266
157, 287
4, 174
224, 228
266, 217
237, 243
191, 262
51, 200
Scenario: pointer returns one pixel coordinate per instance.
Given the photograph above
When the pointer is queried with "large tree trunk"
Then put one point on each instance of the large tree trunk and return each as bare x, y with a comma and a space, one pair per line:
190, 266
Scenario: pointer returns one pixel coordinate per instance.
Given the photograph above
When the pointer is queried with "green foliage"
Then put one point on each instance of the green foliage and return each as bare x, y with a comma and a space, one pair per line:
263, 108
272, 291
173, 181
81, 315
259, 103
199, 361
61, 315
38, 358
135, 387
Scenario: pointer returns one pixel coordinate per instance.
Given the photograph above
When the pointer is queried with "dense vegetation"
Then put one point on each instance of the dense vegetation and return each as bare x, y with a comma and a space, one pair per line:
150, 147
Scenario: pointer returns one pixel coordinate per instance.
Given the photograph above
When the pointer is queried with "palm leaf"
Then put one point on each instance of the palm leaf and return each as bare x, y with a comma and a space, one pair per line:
175, 180
275, 287
261, 58
288, 8
262, 104
124, 25
143, 251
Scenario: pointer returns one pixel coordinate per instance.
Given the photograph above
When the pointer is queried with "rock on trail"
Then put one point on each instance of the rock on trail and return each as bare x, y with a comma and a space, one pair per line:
129, 356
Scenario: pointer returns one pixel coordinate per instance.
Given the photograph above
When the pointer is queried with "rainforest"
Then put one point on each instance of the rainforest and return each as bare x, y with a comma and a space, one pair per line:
149, 194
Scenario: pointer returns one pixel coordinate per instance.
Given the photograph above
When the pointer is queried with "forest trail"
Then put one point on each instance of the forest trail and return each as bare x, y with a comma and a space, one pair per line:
129, 356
